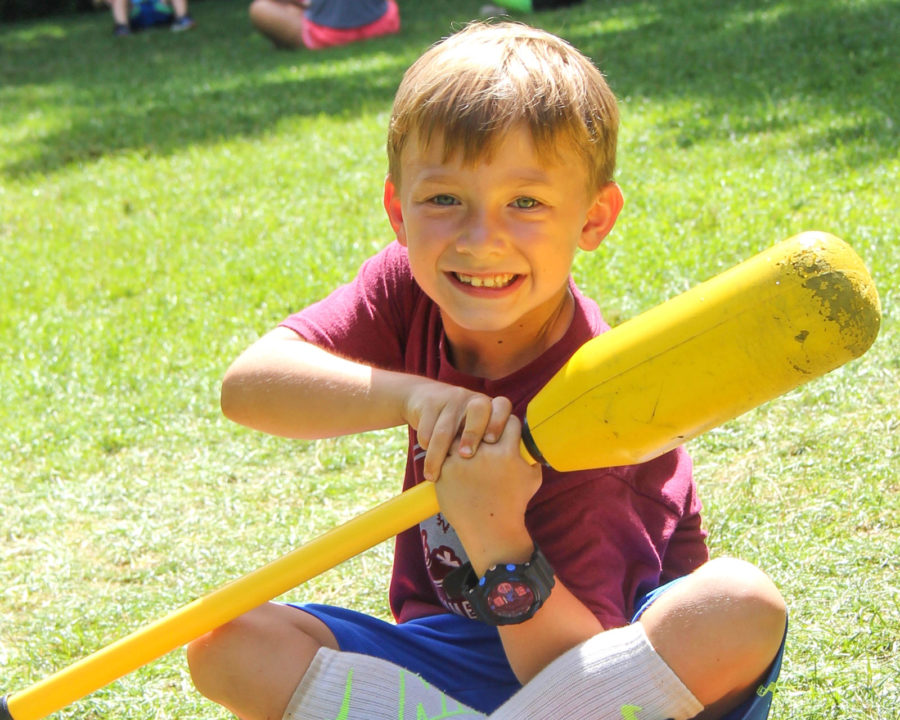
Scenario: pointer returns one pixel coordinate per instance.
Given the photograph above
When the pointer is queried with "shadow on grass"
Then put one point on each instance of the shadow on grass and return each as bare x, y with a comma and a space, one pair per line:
156, 92
764, 65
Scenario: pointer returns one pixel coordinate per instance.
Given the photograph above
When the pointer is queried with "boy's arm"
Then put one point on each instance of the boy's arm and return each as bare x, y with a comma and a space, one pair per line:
286, 386
484, 498
562, 623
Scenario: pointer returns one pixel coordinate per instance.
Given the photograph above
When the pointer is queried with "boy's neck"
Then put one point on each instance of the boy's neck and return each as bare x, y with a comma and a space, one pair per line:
494, 355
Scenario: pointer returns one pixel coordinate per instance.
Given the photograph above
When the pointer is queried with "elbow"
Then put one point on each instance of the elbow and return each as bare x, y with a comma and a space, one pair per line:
234, 398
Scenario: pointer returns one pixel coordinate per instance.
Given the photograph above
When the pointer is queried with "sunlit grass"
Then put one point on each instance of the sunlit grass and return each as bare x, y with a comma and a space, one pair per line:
167, 199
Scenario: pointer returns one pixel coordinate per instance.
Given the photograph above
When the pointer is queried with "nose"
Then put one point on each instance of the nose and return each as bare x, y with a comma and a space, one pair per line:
481, 234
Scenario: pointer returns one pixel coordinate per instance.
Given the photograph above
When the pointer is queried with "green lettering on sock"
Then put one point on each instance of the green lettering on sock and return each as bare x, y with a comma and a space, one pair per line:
422, 713
344, 712
629, 712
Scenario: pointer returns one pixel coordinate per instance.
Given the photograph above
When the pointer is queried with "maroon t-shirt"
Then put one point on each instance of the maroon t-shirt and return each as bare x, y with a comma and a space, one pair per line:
611, 534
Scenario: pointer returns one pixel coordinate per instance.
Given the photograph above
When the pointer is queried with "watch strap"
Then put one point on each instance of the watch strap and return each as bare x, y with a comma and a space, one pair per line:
536, 573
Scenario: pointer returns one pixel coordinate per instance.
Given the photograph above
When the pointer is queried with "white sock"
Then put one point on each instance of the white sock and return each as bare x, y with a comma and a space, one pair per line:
615, 675
349, 686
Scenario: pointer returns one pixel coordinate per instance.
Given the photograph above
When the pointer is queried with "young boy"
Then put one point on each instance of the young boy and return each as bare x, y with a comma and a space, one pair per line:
501, 151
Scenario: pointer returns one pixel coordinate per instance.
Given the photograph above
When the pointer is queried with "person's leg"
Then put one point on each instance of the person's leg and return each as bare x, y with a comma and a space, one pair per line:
351, 686
698, 647
614, 675
279, 20
253, 664
719, 630
257, 665
462, 658
182, 20
120, 11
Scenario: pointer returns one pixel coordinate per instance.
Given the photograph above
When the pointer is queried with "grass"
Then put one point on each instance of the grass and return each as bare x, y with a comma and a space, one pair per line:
165, 199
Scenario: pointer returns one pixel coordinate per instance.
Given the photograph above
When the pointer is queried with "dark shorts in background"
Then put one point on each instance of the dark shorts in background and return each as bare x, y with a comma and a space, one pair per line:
149, 14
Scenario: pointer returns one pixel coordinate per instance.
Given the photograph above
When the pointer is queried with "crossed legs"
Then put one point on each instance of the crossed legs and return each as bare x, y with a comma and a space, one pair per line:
718, 630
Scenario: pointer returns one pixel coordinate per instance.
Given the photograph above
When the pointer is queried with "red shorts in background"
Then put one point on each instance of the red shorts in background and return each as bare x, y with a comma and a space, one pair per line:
316, 37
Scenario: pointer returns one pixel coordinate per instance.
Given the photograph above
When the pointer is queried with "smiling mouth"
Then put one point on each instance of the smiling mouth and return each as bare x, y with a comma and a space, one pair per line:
500, 280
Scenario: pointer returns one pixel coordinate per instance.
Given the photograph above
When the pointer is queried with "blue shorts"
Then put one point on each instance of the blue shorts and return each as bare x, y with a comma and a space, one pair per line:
461, 657
465, 659
149, 13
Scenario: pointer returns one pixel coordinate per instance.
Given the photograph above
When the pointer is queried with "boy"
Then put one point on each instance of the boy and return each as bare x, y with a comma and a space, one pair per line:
501, 151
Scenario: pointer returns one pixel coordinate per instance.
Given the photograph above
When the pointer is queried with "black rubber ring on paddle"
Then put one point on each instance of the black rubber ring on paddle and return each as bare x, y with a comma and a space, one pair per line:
530, 446
4, 709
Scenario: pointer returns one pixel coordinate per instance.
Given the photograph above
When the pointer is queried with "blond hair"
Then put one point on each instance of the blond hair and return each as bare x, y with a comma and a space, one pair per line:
476, 84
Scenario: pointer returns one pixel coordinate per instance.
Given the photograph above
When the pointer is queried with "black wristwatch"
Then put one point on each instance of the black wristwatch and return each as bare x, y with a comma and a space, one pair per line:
507, 594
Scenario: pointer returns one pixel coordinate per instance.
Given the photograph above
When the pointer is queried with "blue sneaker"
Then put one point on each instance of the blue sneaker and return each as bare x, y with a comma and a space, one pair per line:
183, 23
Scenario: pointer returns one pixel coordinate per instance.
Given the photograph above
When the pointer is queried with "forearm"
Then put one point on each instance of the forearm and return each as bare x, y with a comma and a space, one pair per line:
285, 386
562, 623
485, 498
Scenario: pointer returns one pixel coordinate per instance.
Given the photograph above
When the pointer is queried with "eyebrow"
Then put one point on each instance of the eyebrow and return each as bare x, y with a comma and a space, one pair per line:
438, 174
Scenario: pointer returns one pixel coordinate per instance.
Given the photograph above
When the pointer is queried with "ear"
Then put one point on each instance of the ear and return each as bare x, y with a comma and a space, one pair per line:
601, 216
394, 210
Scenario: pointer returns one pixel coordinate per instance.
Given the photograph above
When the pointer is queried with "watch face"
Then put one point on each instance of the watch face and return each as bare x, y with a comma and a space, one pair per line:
510, 599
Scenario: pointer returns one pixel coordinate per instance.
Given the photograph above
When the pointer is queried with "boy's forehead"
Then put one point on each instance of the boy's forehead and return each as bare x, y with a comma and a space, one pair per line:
439, 149
515, 154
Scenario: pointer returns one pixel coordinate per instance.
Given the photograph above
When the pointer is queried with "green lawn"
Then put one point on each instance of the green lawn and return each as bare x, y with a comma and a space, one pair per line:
165, 199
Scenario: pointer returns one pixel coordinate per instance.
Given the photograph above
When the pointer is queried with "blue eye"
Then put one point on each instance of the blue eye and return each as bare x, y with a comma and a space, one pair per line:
444, 200
525, 203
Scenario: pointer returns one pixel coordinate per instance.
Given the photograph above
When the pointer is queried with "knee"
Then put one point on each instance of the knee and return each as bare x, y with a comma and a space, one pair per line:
260, 12
272, 635
743, 605
747, 621
256, 9
282, 23
211, 656
720, 629
743, 594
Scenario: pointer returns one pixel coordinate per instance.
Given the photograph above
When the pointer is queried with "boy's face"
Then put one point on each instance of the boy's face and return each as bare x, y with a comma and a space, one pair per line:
492, 243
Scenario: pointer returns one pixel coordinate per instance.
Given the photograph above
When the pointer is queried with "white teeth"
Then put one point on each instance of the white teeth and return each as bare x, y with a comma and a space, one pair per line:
491, 281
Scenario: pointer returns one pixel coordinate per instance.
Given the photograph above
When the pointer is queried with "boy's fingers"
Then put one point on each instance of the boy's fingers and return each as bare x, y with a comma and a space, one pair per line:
501, 409
443, 433
478, 414
432, 467
434, 456
425, 429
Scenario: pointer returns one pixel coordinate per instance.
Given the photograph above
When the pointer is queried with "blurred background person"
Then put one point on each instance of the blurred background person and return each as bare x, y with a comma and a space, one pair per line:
317, 24
132, 15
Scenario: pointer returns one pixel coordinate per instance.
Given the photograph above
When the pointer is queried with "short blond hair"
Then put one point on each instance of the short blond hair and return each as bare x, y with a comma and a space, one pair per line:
476, 84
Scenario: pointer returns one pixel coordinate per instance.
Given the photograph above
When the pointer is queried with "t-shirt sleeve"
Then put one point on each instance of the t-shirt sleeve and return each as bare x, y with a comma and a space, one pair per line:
367, 319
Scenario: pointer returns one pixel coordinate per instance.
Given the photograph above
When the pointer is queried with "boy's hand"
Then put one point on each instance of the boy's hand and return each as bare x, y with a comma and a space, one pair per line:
444, 415
484, 498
